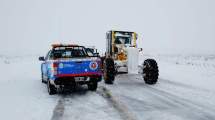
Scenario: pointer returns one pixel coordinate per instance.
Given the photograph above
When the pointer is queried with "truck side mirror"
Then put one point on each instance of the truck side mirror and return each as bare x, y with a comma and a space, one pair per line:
41, 58
96, 54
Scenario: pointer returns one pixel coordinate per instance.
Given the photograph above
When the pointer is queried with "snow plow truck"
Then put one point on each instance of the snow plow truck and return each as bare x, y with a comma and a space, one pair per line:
121, 56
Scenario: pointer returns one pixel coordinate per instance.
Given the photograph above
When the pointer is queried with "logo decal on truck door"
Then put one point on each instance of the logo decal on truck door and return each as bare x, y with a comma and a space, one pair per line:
93, 65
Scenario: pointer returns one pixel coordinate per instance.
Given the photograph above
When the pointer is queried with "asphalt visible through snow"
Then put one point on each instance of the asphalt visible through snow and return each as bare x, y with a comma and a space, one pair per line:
129, 98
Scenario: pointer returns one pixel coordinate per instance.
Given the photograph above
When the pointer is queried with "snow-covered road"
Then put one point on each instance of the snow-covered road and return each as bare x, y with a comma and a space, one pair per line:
84, 105
185, 91
166, 100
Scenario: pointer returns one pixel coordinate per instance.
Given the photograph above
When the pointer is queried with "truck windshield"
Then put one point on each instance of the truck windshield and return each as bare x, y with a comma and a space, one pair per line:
67, 52
90, 51
122, 40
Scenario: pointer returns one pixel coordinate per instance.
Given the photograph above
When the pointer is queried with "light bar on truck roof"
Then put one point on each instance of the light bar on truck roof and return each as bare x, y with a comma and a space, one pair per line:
64, 45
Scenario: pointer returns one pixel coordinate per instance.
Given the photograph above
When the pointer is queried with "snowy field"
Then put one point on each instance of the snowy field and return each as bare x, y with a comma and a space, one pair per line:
23, 97
185, 91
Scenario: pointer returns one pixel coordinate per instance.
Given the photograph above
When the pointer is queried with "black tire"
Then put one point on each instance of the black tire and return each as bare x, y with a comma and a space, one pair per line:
92, 86
109, 71
51, 88
150, 71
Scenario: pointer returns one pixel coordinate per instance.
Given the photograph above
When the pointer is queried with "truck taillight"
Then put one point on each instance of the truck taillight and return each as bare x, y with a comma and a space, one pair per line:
55, 66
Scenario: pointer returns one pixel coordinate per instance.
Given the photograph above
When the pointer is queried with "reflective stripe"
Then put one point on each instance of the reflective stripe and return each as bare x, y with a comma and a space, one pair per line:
80, 75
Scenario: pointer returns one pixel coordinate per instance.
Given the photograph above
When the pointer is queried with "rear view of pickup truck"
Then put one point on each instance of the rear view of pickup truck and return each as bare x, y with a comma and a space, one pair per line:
65, 66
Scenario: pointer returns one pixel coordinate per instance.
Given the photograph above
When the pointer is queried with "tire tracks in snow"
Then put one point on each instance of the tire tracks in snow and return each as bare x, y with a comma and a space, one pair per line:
102, 91
59, 109
116, 103
173, 103
201, 111
178, 84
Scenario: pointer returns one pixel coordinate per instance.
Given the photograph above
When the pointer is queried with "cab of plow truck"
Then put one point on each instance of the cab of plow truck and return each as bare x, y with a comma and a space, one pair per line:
117, 46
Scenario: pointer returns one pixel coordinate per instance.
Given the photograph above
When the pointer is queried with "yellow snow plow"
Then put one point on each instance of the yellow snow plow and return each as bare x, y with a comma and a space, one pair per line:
121, 56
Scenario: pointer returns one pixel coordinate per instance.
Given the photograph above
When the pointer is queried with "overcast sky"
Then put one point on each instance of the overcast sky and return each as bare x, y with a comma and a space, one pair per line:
164, 26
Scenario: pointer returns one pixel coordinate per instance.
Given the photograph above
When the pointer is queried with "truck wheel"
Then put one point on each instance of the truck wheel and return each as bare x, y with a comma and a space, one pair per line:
92, 86
150, 71
43, 80
109, 71
51, 88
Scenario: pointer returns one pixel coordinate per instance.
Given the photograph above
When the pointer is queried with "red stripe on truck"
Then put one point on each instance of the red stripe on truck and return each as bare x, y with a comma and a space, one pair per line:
80, 75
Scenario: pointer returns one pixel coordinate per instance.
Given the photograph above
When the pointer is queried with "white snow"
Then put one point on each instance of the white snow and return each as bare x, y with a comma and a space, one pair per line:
88, 106
23, 96
185, 91
196, 70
